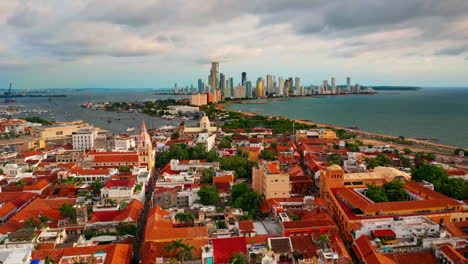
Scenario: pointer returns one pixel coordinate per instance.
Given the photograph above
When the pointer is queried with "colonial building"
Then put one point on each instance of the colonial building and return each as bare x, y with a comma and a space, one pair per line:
193, 132
145, 149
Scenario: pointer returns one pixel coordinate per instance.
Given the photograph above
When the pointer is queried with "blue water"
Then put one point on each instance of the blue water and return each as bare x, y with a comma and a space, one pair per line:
67, 108
440, 113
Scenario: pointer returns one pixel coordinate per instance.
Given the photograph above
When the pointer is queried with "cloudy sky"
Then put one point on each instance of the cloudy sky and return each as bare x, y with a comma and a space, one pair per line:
154, 43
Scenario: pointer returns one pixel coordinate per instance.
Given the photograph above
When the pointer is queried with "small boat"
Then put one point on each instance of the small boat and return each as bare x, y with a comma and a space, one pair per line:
109, 121
130, 129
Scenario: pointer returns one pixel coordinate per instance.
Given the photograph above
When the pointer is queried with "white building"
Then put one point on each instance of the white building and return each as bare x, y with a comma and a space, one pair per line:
207, 139
124, 142
403, 227
122, 190
175, 109
84, 139
195, 164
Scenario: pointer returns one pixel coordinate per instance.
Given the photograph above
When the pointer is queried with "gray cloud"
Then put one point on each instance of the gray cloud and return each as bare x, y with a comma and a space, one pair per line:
453, 51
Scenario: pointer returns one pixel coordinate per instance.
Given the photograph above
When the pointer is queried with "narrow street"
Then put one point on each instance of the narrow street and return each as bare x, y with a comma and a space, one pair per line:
141, 226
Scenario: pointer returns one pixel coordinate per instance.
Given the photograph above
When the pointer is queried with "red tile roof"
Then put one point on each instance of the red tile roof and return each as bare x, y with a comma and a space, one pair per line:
224, 248
116, 253
246, 225
273, 167
383, 232
119, 183
117, 158
47, 207
130, 213
159, 228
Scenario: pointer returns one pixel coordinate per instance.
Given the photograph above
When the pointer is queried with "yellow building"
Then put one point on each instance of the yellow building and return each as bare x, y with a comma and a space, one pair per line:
269, 180
199, 99
56, 132
145, 149
260, 89
32, 144
346, 202
316, 133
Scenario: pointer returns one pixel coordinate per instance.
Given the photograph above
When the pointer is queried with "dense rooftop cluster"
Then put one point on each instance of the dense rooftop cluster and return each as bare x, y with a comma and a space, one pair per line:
271, 192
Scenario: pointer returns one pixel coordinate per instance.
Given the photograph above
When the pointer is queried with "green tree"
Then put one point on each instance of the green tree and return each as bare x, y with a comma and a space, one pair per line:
96, 187
407, 151
458, 150
31, 222
395, 191
187, 219
323, 242
208, 195
239, 189
175, 245
207, 175
274, 144
124, 168
91, 232
68, 211
49, 260
268, 154
336, 158
239, 258
376, 194
186, 252
428, 172
44, 220
21, 183
175, 136
241, 166
126, 229
225, 142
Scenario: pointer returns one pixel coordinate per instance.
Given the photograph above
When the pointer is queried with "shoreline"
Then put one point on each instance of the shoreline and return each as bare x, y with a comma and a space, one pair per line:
417, 143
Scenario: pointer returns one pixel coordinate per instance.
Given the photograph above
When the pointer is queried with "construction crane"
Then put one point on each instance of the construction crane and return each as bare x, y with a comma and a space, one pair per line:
9, 96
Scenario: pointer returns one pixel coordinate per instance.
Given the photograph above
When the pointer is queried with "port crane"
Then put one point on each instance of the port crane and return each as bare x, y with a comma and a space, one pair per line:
9, 96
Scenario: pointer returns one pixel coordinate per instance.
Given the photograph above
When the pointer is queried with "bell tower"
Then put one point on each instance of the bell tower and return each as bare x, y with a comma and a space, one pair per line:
145, 148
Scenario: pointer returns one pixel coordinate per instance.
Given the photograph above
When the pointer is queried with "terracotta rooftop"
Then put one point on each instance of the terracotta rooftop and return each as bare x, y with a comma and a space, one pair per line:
119, 183
280, 245
47, 207
224, 248
130, 213
116, 253
159, 228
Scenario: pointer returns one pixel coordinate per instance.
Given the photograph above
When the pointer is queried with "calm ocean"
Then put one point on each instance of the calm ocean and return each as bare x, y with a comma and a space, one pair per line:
439, 113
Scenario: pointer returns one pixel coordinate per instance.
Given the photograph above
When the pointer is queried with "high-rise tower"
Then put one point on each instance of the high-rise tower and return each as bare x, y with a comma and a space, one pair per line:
244, 78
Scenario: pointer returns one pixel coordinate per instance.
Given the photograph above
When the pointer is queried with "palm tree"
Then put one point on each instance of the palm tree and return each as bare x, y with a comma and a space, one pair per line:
96, 187
49, 260
31, 222
43, 219
239, 258
186, 252
175, 245
187, 219
323, 241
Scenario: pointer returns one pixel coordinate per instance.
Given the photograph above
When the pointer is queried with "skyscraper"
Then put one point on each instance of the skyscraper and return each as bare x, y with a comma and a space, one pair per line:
325, 86
348, 84
248, 89
213, 79
176, 88
269, 84
281, 86
222, 84
201, 86
297, 87
290, 86
231, 86
260, 83
333, 85
244, 78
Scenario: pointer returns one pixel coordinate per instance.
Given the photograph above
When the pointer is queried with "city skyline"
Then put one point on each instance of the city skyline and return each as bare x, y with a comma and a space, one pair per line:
152, 44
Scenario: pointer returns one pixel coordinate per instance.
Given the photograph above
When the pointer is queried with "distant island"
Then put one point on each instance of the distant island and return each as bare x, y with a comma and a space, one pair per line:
396, 88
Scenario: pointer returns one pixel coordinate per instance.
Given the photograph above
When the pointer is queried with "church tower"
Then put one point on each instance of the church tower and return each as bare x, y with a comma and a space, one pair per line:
145, 148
